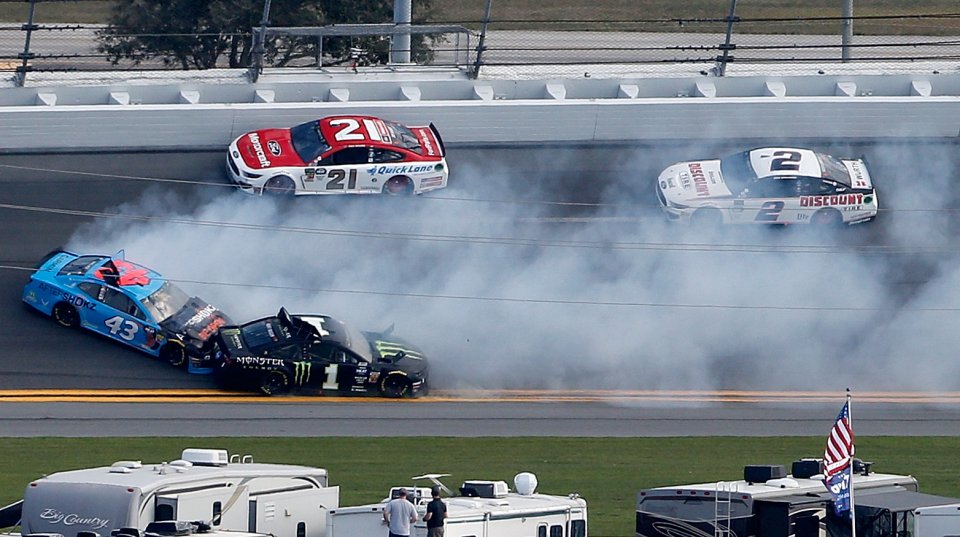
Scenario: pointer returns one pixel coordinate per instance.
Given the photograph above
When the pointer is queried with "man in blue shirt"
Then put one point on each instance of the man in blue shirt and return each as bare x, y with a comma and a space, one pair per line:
399, 514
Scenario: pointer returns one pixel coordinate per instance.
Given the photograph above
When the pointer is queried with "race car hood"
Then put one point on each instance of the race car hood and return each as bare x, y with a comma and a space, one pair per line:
393, 350
430, 141
686, 182
196, 321
859, 176
268, 148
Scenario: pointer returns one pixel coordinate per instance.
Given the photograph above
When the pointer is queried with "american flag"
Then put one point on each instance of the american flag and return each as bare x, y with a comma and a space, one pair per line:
839, 452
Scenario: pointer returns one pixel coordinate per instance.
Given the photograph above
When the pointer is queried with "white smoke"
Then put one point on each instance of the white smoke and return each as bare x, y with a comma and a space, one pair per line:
601, 302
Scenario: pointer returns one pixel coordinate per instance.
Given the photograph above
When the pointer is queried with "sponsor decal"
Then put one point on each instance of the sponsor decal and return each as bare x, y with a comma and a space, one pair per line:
301, 372
258, 149
211, 328
827, 201
389, 348
430, 182
259, 361
859, 181
699, 180
60, 294
200, 315
427, 145
393, 170
309, 174
274, 147
54, 516
31, 296
151, 333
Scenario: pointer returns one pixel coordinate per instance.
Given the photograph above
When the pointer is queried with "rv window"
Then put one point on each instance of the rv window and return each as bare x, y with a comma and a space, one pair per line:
542, 530
301, 529
578, 528
217, 511
556, 531
164, 512
689, 508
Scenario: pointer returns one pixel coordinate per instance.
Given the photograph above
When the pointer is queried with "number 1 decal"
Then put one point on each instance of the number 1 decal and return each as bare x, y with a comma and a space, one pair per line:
336, 180
330, 381
769, 211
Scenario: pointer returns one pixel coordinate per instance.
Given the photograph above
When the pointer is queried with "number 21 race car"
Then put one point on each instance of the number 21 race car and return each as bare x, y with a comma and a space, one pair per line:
128, 303
769, 185
339, 155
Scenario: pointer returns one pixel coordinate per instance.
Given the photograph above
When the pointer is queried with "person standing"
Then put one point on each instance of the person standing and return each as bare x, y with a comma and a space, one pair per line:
399, 514
436, 513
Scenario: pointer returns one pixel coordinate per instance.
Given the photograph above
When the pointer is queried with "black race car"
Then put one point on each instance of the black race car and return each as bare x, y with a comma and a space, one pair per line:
319, 354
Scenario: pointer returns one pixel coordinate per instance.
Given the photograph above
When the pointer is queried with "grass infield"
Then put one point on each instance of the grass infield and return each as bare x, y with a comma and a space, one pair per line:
607, 472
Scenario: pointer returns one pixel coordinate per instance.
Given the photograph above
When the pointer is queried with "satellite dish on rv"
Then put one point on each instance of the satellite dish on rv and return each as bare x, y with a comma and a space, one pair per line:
525, 483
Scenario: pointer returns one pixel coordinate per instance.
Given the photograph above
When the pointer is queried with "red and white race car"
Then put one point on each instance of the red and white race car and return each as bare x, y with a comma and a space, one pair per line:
769, 185
339, 155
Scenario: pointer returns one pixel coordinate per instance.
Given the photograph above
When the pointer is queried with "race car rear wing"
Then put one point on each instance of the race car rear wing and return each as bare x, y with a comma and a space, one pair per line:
436, 134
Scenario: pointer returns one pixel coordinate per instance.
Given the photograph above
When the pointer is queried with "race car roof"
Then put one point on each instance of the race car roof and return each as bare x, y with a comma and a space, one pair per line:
342, 131
785, 161
138, 280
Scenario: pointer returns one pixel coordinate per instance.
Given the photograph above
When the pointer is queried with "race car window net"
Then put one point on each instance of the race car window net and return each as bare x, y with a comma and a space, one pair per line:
737, 171
165, 301
80, 265
404, 137
833, 169
307, 141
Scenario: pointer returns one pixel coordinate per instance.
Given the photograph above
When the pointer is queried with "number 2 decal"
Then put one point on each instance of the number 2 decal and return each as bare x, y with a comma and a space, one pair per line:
336, 180
769, 211
785, 161
330, 380
119, 326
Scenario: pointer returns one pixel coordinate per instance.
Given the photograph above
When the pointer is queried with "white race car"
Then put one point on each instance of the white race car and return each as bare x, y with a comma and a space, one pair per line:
769, 185
339, 155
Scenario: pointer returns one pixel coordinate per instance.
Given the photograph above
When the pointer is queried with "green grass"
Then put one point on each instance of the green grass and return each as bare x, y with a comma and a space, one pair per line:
607, 472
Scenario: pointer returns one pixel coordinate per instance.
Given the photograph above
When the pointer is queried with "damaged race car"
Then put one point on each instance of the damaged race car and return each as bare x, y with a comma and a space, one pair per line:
128, 303
769, 185
319, 354
339, 155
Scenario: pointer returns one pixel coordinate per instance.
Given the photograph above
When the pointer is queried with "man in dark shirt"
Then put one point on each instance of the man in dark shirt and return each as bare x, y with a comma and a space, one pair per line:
436, 512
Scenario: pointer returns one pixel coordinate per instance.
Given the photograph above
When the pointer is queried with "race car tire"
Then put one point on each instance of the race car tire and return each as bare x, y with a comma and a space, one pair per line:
398, 185
66, 315
274, 382
174, 354
827, 218
280, 185
706, 217
395, 386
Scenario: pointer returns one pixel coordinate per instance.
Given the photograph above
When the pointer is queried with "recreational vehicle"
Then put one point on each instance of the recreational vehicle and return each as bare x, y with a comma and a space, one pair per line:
770, 503
205, 486
482, 508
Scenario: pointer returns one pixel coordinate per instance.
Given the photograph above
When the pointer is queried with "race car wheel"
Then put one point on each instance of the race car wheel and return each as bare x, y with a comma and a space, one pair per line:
395, 386
274, 382
279, 185
66, 315
827, 218
398, 186
706, 217
174, 354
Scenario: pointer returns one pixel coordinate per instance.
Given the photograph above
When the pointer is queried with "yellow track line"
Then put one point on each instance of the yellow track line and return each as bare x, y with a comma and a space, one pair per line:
482, 396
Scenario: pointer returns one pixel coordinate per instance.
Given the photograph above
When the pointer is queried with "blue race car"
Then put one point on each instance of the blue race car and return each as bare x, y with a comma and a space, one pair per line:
129, 303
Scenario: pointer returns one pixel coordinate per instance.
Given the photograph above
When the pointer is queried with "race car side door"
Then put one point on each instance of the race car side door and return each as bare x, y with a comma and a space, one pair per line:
117, 316
343, 372
767, 201
342, 171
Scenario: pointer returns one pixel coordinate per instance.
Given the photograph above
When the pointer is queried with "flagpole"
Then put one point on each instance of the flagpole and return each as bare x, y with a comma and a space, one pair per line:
853, 508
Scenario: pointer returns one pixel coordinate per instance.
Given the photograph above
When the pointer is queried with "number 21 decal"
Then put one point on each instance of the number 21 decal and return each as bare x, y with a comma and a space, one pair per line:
119, 326
769, 211
336, 180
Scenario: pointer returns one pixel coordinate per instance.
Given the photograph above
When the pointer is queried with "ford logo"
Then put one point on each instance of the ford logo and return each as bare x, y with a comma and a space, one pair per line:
274, 147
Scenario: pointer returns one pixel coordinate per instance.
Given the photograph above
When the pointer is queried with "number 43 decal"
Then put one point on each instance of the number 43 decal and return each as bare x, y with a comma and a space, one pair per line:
123, 328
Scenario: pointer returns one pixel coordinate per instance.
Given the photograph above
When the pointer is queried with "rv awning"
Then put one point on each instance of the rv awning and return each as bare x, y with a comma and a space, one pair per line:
900, 500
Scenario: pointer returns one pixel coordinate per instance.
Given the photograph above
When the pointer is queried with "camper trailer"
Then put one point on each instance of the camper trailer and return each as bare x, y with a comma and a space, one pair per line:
770, 503
205, 486
937, 521
482, 508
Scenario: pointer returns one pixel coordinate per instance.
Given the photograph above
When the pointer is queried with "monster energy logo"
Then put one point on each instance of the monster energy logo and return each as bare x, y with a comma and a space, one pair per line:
387, 348
301, 372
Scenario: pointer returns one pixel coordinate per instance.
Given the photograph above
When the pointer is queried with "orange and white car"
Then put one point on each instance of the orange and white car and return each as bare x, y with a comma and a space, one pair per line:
339, 155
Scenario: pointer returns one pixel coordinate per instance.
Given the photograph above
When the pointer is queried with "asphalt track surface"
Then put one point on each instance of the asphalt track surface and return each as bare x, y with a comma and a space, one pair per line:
66, 383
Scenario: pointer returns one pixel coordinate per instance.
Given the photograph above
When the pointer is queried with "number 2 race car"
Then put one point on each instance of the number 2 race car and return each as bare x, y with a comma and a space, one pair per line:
769, 185
339, 155
320, 354
126, 302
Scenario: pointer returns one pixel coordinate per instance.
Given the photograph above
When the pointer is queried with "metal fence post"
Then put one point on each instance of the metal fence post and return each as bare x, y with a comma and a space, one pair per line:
483, 35
258, 48
721, 68
400, 42
26, 56
847, 39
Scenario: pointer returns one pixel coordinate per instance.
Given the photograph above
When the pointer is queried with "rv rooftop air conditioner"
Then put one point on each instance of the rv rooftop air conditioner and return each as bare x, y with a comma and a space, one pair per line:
205, 457
761, 473
132, 465
484, 489
805, 468
525, 483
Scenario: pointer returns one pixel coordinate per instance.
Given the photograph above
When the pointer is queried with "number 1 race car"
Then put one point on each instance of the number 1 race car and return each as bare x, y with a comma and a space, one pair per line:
126, 302
769, 185
339, 155
320, 354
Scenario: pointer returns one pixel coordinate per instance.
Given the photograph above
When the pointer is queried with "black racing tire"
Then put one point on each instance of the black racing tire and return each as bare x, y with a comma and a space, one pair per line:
274, 382
66, 315
174, 354
398, 185
827, 218
706, 217
280, 185
395, 386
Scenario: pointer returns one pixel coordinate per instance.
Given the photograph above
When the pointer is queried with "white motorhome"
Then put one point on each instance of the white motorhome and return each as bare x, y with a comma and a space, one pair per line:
937, 521
770, 503
226, 493
482, 509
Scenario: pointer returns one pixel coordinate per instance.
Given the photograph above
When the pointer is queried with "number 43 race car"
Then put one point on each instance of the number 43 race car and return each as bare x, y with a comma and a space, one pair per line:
339, 155
128, 303
769, 185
